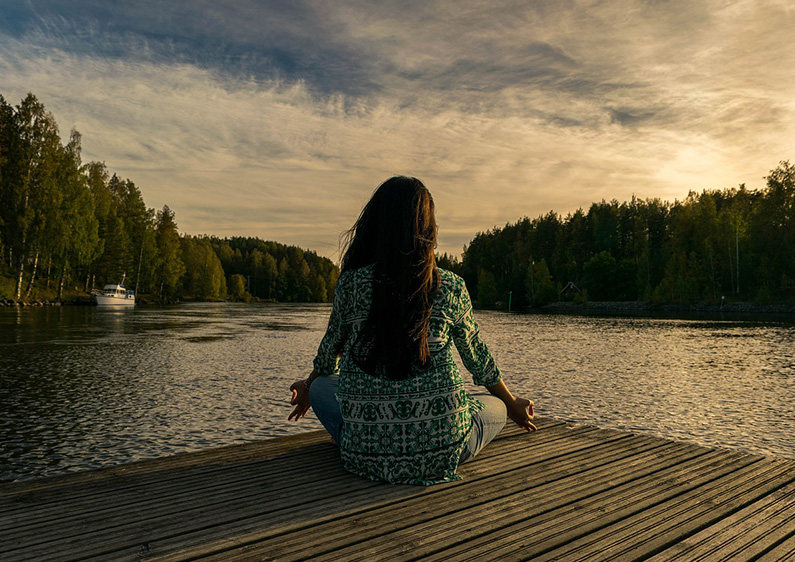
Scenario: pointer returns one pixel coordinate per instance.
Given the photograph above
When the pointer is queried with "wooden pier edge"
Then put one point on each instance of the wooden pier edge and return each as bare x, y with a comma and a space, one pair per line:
568, 492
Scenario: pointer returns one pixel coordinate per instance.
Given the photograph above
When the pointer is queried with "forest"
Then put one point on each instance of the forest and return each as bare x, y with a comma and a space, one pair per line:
67, 227
733, 244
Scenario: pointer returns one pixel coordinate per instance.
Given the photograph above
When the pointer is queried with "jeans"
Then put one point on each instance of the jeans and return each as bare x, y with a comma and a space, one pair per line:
323, 397
486, 424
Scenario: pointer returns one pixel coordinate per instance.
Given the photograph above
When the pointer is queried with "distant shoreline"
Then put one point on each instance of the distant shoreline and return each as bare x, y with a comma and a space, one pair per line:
140, 301
602, 307
620, 307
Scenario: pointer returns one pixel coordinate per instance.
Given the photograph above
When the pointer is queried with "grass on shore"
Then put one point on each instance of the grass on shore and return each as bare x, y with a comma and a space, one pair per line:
40, 291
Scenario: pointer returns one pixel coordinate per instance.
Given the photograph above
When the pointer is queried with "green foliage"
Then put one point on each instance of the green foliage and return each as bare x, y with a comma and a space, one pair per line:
170, 267
487, 288
731, 243
770, 234
275, 271
65, 225
74, 234
92, 227
30, 194
608, 279
598, 276
449, 262
540, 288
204, 277
237, 288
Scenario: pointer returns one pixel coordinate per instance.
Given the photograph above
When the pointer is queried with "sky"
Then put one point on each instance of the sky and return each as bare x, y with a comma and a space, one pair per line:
277, 119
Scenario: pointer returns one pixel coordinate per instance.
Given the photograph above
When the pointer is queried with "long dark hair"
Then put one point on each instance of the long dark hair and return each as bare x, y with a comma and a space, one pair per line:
396, 233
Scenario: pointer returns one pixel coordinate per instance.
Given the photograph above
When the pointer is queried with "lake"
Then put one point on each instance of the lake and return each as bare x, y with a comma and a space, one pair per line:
83, 387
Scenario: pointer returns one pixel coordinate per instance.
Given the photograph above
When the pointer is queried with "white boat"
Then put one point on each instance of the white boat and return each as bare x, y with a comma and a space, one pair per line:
114, 295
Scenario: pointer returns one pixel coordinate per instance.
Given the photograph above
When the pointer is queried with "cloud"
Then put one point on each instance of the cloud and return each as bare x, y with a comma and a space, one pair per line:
278, 119
269, 40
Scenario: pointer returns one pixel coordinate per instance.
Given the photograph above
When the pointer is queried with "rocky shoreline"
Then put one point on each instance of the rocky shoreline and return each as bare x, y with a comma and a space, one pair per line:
618, 307
79, 301
640, 306
11, 302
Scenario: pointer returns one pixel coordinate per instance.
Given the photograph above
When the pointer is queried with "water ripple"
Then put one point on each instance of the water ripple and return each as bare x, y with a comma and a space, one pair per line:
82, 388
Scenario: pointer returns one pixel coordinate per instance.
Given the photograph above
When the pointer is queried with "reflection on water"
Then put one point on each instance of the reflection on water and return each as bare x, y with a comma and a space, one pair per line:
719, 383
82, 387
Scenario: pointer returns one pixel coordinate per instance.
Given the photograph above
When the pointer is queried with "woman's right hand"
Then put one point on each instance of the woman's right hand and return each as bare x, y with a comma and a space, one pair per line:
520, 410
300, 400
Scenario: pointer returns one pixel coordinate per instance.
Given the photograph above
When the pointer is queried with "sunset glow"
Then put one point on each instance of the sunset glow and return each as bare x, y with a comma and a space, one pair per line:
277, 119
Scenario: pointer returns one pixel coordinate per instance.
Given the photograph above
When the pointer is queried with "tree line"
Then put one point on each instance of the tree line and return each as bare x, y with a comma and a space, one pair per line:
68, 224
735, 244
65, 224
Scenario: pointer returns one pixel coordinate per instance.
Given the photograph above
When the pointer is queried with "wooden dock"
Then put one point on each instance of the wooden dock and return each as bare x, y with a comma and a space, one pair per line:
573, 493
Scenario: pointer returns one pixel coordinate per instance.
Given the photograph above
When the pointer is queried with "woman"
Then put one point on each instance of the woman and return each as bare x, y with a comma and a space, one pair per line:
385, 384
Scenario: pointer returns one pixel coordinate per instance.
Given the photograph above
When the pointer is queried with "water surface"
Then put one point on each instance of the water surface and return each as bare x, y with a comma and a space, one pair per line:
82, 387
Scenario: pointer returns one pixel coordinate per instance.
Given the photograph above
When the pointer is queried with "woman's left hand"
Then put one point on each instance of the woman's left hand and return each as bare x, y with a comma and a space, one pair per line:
300, 400
520, 410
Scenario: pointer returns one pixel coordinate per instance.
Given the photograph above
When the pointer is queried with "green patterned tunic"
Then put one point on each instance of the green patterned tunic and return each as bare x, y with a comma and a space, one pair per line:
411, 431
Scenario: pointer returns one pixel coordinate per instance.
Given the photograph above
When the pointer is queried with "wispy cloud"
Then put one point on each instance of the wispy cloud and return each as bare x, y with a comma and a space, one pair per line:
278, 119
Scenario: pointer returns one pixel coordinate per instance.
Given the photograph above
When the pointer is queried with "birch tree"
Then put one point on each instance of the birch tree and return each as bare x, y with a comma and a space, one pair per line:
29, 189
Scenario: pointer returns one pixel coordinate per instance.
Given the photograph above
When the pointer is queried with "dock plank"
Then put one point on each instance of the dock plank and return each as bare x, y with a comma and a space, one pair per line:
413, 516
557, 515
745, 535
783, 552
570, 442
665, 522
568, 492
